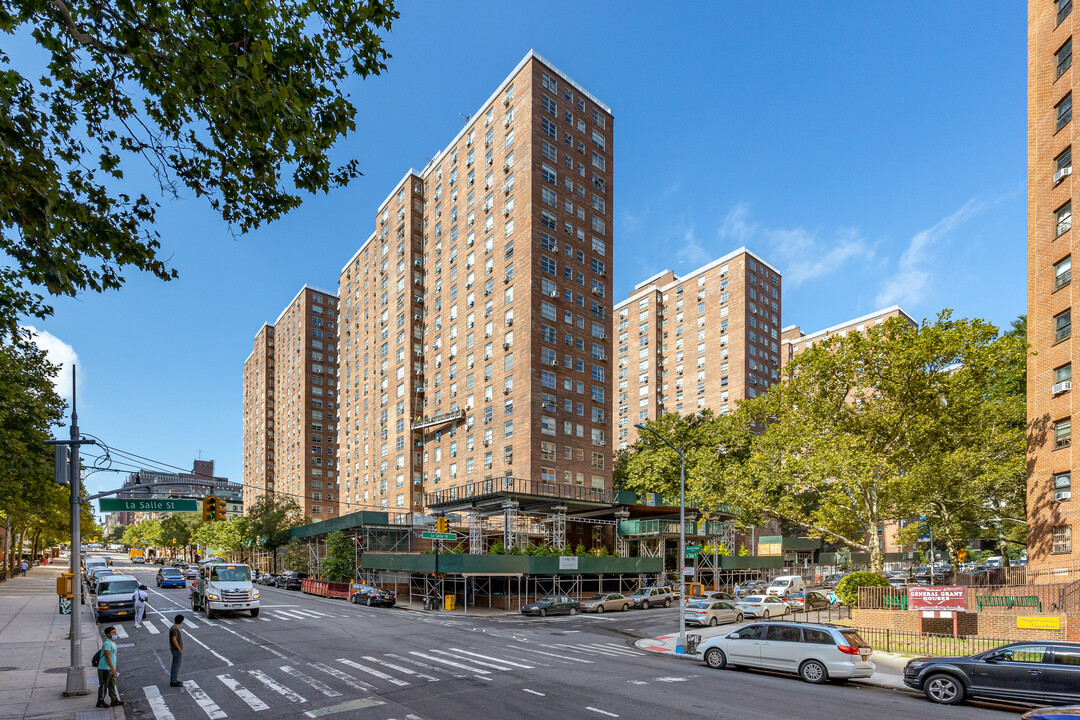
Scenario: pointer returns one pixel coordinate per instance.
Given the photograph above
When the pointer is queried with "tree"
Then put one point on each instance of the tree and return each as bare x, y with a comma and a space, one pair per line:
240, 105
217, 537
297, 558
862, 427
143, 534
339, 564
270, 518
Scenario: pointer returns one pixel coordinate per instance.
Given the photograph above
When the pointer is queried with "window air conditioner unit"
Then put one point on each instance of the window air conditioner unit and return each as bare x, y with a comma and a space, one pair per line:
554, 293
506, 190
506, 101
554, 363
506, 122
1062, 173
507, 166
487, 443
468, 142
506, 212
487, 292
506, 346
506, 391
1062, 495
509, 322
1063, 386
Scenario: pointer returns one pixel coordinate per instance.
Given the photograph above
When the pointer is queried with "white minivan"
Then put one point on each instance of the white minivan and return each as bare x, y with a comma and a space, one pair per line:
786, 584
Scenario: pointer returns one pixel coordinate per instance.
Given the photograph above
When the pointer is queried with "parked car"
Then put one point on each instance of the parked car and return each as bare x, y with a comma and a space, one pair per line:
602, 602
713, 596
750, 587
290, 580
372, 595
1032, 672
817, 652
92, 562
170, 577
552, 605
806, 600
190, 572
712, 613
267, 579
648, 597
786, 584
115, 597
762, 606
1066, 712
831, 581
899, 581
97, 575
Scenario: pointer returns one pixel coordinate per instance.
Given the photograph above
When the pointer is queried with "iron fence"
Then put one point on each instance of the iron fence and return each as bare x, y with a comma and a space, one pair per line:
1044, 597
829, 614
928, 644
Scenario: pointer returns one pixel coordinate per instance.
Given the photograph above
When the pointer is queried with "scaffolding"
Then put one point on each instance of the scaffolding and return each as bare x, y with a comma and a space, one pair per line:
510, 515
476, 533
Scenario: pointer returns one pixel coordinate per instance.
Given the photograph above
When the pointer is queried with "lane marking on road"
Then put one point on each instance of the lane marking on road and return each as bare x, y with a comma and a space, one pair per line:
151, 628
208, 706
576, 648
243, 693
613, 647
314, 613
265, 619
534, 692
399, 668
276, 686
424, 665
227, 622
291, 615
499, 660
671, 679
245, 638
637, 682
213, 652
317, 684
481, 677
522, 648
567, 632
120, 631
275, 652
602, 712
358, 704
243, 619
502, 668
157, 703
373, 672
344, 677
466, 668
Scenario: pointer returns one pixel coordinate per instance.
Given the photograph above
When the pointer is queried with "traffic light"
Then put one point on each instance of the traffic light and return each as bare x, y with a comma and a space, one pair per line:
221, 509
209, 508
442, 525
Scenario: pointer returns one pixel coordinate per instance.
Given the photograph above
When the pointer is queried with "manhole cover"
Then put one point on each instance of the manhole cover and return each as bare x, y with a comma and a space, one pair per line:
55, 671
6, 668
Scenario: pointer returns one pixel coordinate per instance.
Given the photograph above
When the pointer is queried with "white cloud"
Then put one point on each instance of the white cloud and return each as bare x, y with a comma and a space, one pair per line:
692, 252
59, 353
909, 283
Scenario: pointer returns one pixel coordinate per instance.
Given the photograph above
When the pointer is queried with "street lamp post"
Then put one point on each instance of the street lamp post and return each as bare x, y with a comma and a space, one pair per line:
680, 644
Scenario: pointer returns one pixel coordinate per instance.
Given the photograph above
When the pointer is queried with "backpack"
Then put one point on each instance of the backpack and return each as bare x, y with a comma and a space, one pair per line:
96, 659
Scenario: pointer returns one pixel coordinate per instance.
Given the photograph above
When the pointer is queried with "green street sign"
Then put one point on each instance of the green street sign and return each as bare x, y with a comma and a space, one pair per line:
130, 505
692, 554
438, 536
65, 605
693, 548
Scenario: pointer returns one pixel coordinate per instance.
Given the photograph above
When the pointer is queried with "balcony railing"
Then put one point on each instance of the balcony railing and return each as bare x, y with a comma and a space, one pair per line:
518, 486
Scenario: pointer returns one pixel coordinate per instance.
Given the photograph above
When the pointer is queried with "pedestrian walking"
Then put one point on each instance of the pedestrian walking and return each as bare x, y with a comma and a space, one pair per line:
141, 598
23, 568
176, 646
107, 672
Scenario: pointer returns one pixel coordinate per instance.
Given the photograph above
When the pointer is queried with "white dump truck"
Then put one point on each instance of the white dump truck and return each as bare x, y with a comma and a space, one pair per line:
223, 586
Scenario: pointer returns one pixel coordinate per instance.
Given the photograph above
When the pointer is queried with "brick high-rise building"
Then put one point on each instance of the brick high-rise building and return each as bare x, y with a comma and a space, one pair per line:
704, 340
1051, 459
290, 407
475, 317
793, 340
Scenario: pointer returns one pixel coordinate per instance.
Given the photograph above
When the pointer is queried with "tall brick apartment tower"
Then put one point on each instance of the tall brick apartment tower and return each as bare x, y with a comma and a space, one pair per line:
290, 407
1051, 241
475, 317
700, 341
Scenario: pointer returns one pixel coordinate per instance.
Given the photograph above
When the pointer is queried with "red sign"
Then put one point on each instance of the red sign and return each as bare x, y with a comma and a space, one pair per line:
937, 598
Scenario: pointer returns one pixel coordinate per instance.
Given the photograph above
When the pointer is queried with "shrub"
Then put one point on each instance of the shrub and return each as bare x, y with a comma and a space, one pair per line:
848, 588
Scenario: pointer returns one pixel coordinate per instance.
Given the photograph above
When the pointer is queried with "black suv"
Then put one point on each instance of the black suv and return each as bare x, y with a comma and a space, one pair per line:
290, 580
372, 595
1030, 672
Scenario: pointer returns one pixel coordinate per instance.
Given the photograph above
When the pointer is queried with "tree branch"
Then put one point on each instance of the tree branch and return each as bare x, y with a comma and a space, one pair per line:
83, 37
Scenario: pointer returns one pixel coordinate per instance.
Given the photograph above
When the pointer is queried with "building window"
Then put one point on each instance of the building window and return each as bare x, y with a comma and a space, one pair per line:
1062, 273
547, 474
1063, 165
1062, 486
1062, 379
1063, 433
1064, 111
1064, 7
1063, 325
1063, 218
1064, 57
1062, 536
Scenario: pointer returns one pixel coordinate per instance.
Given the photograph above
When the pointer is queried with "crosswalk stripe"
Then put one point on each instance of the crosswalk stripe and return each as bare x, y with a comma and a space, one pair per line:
157, 703
620, 648
373, 672
265, 619
424, 665
314, 613
151, 628
317, 684
243, 693
120, 631
290, 615
167, 623
344, 677
243, 619
276, 686
471, 660
466, 668
208, 706
578, 648
227, 622
399, 668
500, 660
560, 657
188, 622
282, 617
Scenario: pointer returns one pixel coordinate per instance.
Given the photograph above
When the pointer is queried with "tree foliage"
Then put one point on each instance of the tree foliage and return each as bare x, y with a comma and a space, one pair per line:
218, 537
268, 521
339, 563
848, 587
240, 103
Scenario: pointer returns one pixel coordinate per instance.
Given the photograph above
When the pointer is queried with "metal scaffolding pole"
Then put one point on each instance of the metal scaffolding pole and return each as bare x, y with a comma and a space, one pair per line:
558, 527
622, 544
510, 516
476, 533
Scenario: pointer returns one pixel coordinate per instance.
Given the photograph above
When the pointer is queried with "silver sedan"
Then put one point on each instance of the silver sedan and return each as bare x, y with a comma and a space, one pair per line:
712, 613
602, 602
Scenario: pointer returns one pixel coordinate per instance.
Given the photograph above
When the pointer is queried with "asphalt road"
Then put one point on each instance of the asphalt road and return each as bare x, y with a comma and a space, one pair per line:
312, 657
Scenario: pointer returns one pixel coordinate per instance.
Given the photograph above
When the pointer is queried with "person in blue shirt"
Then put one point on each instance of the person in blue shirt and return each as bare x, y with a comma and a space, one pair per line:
107, 673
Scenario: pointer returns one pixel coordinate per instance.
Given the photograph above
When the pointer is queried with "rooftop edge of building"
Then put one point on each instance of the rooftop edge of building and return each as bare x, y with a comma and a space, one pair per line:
645, 284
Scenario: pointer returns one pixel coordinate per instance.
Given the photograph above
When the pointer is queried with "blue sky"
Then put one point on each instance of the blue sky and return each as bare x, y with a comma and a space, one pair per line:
874, 152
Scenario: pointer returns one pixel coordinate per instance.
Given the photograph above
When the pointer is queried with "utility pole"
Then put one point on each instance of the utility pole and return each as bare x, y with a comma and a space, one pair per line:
76, 675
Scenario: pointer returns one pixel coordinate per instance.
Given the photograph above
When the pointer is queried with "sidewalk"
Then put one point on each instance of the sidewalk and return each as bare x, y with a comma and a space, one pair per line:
889, 672
35, 651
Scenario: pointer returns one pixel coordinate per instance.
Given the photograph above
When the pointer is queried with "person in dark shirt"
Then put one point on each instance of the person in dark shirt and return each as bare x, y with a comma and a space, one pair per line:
176, 646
